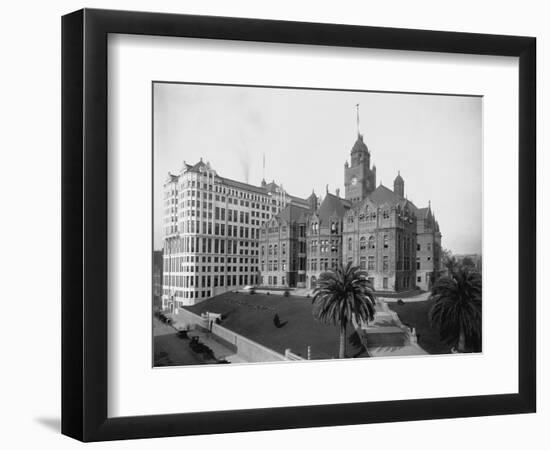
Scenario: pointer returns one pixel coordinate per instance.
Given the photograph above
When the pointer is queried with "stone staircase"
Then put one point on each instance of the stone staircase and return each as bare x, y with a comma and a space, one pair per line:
387, 336
385, 330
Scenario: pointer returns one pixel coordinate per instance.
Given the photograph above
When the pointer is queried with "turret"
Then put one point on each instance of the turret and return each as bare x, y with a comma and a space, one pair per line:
313, 201
399, 185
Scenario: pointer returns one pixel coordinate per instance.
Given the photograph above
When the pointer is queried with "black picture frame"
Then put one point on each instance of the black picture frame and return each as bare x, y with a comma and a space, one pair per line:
84, 224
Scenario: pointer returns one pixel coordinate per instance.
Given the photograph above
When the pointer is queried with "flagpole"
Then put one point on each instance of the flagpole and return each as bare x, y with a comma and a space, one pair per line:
357, 106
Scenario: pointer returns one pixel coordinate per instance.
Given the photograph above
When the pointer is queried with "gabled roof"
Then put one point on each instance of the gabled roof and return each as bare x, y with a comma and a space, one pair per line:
200, 165
271, 187
333, 206
423, 213
170, 179
383, 195
304, 203
294, 214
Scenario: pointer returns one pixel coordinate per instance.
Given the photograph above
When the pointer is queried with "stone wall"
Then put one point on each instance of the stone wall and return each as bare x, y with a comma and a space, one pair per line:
246, 348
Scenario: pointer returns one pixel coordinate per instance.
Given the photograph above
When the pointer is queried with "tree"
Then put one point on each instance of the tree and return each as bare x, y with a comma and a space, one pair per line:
457, 309
449, 260
343, 296
468, 262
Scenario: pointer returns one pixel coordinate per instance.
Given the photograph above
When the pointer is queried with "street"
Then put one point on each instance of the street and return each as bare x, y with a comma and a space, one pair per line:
170, 350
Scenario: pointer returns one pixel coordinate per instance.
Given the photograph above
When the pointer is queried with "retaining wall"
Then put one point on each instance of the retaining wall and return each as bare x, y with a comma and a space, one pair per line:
247, 349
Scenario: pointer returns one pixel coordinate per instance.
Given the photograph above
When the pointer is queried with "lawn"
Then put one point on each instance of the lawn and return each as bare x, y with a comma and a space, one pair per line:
252, 316
415, 315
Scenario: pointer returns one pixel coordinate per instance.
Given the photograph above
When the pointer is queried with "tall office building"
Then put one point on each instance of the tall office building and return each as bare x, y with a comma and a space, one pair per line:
211, 232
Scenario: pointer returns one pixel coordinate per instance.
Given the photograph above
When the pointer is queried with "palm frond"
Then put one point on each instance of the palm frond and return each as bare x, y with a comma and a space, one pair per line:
457, 307
344, 294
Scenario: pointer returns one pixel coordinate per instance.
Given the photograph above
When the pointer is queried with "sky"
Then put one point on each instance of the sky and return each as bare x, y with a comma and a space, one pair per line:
435, 141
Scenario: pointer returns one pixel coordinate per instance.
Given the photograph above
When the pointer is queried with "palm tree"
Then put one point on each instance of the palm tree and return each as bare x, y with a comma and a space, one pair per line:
457, 308
342, 296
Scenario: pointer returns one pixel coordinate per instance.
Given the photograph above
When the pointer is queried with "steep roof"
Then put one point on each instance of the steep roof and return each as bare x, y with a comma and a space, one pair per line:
399, 178
200, 165
382, 195
359, 145
300, 201
333, 205
271, 187
294, 213
422, 213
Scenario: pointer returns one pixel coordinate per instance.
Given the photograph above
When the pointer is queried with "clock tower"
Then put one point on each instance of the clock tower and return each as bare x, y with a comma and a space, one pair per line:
359, 178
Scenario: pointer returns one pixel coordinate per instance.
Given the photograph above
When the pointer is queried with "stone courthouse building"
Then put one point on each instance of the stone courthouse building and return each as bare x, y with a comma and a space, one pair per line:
222, 234
374, 227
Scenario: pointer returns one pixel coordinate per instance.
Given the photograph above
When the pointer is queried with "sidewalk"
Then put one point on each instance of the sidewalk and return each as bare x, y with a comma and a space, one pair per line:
418, 298
406, 350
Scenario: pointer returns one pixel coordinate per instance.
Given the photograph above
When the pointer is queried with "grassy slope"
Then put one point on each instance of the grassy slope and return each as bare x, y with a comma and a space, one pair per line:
252, 317
415, 314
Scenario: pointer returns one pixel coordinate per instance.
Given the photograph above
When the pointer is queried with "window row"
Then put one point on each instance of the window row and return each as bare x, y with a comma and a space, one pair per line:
202, 281
273, 249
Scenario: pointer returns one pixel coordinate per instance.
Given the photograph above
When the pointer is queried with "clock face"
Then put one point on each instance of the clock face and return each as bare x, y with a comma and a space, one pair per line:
354, 181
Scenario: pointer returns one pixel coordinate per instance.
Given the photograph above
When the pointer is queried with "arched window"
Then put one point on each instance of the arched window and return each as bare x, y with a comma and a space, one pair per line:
334, 228
283, 248
363, 243
371, 242
275, 249
385, 241
271, 249
350, 244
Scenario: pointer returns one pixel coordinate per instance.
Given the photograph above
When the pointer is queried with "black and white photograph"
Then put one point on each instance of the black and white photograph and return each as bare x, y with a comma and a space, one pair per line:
269, 225
296, 224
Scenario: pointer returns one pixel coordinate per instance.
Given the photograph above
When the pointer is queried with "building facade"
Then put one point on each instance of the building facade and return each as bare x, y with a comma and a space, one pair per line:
158, 264
221, 234
212, 231
428, 249
374, 227
324, 237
